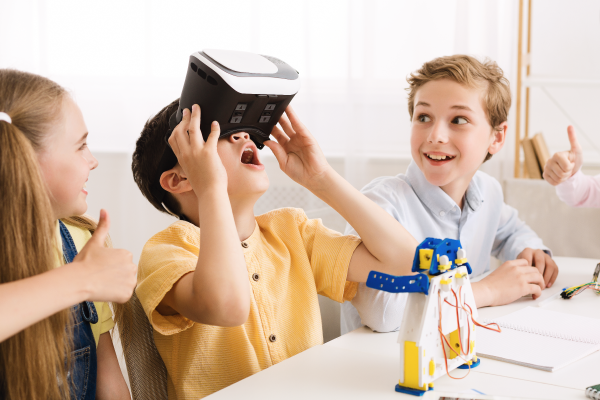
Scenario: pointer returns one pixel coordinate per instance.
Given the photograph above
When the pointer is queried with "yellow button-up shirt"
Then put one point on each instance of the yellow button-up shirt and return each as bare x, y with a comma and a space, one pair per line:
290, 259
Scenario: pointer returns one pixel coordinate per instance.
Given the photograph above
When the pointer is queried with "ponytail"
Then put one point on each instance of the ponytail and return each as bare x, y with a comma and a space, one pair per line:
32, 362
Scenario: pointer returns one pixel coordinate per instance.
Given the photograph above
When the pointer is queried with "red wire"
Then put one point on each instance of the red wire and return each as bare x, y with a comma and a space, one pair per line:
470, 313
487, 326
443, 338
468, 327
581, 289
458, 324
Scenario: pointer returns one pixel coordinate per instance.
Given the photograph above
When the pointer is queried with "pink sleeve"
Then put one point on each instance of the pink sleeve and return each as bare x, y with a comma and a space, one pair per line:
580, 190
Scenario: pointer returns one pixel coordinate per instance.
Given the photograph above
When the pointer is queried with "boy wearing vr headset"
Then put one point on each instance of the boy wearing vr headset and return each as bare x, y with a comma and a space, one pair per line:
229, 293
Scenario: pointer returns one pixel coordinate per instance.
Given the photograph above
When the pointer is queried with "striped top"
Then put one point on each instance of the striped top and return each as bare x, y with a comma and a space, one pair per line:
290, 259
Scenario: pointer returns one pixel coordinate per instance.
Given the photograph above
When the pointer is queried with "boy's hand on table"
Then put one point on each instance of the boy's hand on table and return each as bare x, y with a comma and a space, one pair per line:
199, 160
564, 164
509, 282
297, 151
543, 262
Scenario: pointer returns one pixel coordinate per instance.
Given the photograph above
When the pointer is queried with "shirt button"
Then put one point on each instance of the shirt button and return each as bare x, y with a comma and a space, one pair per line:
272, 338
245, 245
442, 213
256, 277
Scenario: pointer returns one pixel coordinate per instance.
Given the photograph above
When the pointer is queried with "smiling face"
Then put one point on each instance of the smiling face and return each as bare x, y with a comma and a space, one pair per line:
451, 134
66, 162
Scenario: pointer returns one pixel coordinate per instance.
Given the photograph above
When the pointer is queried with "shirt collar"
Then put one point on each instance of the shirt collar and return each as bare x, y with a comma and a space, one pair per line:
253, 240
434, 197
474, 196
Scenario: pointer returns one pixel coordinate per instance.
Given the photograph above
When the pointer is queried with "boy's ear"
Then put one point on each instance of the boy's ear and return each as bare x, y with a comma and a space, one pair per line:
498, 138
175, 181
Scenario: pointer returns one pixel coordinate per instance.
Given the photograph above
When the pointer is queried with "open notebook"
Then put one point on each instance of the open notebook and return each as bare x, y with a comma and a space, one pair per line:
538, 338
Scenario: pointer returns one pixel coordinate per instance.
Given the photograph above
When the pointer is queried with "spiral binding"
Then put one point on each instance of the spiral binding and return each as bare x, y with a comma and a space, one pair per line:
543, 332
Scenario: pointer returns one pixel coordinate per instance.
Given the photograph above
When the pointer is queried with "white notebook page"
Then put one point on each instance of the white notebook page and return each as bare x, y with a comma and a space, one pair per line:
539, 338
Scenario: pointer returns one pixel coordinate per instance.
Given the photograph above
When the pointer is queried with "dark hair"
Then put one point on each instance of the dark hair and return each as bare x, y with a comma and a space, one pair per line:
149, 150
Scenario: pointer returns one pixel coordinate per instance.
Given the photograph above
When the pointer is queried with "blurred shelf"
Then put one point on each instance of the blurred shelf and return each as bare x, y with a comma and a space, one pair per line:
558, 82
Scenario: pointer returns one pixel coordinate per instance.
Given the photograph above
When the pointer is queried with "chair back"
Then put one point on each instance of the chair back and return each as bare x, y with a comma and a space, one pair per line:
145, 367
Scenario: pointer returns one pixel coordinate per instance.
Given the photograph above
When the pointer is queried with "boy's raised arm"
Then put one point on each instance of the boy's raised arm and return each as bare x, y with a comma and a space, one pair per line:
217, 292
387, 247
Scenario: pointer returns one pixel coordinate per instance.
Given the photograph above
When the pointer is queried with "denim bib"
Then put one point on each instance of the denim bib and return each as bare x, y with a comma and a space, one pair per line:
82, 376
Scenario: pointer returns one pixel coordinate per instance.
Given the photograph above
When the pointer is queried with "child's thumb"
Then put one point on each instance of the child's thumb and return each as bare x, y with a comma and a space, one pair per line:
101, 232
575, 147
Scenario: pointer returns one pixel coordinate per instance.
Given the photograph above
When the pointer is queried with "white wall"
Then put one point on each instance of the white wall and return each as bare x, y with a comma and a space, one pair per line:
566, 45
124, 60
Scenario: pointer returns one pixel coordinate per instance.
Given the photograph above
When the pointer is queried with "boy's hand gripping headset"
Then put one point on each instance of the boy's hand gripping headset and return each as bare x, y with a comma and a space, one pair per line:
244, 92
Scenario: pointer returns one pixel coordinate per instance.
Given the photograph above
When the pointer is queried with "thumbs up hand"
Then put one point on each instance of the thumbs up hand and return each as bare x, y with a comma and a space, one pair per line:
564, 164
107, 274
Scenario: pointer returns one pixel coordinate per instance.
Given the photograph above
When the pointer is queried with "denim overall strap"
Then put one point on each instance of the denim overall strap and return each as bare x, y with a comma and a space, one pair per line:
69, 252
82, 376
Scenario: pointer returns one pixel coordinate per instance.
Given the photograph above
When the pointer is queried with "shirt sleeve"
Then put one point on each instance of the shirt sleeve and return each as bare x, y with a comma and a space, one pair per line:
105, 317
514, 235
166, 257
580, 190
380, 311
329, 253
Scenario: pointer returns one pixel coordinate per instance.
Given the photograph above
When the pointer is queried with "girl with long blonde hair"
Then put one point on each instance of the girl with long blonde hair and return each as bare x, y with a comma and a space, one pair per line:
54, 335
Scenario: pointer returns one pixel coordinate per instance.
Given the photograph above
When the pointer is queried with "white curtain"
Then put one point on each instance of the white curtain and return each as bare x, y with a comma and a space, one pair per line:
124, 60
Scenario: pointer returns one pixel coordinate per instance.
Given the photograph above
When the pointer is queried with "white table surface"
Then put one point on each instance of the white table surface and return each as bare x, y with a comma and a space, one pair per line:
363, 364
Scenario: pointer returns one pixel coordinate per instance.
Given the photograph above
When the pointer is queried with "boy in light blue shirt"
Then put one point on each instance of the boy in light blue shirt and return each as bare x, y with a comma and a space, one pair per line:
458, 108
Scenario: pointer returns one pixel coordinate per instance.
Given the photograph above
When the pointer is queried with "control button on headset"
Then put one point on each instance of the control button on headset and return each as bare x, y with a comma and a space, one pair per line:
264, 119
240, 107
270, 107
235, 120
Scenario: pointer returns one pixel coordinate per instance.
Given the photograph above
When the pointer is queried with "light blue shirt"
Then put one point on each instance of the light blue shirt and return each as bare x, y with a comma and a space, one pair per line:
485, 226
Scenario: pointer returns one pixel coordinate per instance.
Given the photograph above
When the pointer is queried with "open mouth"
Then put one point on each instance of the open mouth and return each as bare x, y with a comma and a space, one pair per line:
250, 155
439, 157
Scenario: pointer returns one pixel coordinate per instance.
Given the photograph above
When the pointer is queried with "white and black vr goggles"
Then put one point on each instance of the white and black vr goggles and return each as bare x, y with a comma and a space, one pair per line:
244, 92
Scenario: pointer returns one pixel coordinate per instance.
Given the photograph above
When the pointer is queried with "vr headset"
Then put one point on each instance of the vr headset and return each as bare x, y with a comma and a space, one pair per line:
244, 92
